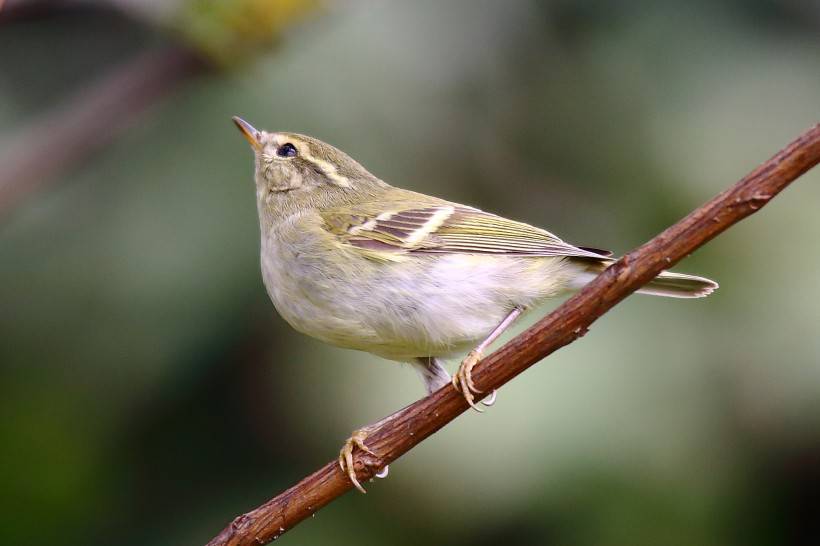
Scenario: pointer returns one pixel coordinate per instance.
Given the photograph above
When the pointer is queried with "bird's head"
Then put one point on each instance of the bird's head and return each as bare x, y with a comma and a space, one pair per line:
300, 166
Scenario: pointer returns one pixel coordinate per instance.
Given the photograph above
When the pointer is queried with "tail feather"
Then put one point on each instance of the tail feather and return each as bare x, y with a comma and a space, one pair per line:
679, 285
668, 284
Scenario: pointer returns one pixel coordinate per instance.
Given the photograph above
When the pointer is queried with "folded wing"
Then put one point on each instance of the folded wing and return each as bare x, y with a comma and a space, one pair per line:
445, 228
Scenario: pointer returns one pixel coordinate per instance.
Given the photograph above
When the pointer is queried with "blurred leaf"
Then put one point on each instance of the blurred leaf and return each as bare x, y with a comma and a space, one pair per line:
237, 31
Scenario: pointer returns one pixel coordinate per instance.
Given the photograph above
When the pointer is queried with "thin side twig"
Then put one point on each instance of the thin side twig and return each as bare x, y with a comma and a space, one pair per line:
401, 431
34, 155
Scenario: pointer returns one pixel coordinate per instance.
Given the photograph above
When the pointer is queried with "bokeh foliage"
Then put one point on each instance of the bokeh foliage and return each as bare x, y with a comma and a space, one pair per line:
150, 392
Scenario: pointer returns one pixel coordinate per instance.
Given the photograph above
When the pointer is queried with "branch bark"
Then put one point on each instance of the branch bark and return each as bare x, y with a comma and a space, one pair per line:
402, 430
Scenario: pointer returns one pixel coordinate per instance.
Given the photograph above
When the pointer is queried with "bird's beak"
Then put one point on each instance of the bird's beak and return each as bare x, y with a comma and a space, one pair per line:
251, 134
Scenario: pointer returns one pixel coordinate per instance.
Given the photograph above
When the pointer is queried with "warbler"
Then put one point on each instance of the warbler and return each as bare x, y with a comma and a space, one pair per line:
355, 262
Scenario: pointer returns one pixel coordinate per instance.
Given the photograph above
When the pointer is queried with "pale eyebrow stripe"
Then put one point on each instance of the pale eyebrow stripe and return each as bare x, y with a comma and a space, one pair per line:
327, 168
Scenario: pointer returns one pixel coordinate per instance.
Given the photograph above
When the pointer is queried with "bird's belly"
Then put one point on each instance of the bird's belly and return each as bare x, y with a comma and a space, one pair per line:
437, 305
309, 301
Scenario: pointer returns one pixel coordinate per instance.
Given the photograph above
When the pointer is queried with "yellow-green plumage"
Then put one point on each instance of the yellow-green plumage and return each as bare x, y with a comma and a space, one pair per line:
355, 262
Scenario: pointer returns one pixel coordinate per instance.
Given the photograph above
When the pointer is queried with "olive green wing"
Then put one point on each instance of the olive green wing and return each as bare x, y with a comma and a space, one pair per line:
443, 228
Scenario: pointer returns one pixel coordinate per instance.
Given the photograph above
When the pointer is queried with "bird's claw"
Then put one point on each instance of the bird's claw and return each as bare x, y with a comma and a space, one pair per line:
463, 379
356, 440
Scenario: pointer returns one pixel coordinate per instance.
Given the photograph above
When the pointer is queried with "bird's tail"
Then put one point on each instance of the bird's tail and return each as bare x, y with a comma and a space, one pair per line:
671, 285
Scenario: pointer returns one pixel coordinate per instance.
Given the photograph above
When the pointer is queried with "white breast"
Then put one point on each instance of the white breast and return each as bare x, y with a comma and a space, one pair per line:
433, 305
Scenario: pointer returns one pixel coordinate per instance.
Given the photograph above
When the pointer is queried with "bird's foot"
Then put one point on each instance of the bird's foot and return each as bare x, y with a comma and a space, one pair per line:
356, 440
463, 380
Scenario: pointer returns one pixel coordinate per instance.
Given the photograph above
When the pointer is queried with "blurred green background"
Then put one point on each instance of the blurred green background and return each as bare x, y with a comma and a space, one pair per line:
150, 393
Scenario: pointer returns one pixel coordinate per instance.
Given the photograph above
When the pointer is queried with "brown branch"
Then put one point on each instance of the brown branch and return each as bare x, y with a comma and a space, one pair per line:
401, 431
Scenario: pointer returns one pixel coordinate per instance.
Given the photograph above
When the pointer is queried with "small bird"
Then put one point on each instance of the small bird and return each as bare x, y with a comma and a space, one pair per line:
357, 263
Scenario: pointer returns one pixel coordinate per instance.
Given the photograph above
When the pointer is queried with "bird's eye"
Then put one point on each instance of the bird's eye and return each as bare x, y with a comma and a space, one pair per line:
286, 150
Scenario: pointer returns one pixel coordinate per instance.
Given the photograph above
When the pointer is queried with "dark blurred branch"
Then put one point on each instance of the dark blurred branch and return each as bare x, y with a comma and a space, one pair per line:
21, 10
87, 121
401, 431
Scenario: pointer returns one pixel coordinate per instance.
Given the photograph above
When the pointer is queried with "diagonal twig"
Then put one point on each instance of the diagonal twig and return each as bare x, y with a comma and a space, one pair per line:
400, 432
87, 121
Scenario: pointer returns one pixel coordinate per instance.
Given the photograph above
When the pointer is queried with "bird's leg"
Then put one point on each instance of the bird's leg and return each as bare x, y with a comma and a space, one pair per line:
463, 379
432, 373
